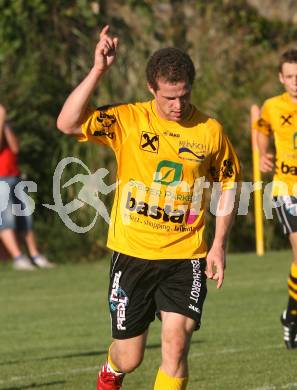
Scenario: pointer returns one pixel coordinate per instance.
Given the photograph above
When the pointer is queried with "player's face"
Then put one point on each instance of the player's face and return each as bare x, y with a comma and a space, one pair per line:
288, 77
173, 101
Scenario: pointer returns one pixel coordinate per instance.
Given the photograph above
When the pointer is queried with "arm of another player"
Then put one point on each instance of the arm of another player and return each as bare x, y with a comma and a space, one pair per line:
216, 256
73, 112
2, 123
266, 159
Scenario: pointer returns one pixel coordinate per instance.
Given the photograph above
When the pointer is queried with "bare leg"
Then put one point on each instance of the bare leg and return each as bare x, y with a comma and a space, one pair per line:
128, 354
31, 243
20, 261
10, 242
38, 259
124, 356
176, 336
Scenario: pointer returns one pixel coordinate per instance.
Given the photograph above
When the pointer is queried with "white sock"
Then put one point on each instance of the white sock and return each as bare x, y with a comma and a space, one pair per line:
110, 369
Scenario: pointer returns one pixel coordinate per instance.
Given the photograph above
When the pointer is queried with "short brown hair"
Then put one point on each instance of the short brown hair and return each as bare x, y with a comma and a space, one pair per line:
289, 56
170, 64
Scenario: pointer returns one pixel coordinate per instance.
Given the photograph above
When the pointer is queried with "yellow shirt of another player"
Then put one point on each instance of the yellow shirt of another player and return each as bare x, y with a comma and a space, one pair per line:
279, 117
158, 210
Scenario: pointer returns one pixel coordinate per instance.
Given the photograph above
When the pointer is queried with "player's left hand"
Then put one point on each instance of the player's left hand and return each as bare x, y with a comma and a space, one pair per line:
215, 264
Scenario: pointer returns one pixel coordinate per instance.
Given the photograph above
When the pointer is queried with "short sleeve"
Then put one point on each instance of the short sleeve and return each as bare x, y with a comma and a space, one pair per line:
103, 126
263, 123
225, 166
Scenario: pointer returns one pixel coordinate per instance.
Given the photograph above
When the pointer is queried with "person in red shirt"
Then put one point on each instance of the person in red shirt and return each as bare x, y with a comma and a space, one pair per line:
11, 224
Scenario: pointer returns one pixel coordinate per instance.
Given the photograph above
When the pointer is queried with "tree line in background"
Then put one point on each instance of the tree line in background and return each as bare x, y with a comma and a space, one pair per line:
47, 48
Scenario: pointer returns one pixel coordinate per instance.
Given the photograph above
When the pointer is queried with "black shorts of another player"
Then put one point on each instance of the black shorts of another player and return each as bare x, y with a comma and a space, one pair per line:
139, 289
286, 210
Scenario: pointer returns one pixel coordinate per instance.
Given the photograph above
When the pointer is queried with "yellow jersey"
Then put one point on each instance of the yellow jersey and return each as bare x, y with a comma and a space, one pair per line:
279, 117
158, 210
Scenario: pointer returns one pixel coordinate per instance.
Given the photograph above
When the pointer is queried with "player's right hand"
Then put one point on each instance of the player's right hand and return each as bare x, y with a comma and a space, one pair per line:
105, 51
266, 162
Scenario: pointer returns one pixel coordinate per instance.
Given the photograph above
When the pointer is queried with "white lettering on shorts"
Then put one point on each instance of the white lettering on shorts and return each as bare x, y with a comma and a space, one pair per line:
196, 286
118, 301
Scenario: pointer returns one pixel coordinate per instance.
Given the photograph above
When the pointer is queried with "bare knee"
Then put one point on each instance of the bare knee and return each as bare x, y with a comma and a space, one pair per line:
128, 361
126, 356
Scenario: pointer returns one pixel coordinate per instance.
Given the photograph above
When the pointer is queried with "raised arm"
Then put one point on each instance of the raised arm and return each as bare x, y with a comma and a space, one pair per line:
266, 159
73, 112
2, 124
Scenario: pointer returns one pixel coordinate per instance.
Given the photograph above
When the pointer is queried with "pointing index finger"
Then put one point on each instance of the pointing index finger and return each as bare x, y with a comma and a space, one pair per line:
104, 31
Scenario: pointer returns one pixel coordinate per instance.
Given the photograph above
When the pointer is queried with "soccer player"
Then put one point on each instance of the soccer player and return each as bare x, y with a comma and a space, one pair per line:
279, 118
160, 260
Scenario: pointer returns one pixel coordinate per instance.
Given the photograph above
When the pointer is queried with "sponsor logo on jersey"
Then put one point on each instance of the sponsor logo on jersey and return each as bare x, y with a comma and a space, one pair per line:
166, 214
149, 142
225, 171
104, 133
171, 134
288, 170
193, 145
286, 120
187, 154
263, 124
227, 168
168, 173
105, 120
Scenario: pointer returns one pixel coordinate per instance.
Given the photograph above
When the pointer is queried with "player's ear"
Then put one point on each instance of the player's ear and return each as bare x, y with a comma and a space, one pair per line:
281, 77
151, 89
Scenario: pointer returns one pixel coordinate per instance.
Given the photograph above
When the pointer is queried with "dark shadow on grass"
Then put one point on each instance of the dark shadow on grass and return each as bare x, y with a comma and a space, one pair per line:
80, 354
68, 356
153, 346
74, 355
35, 385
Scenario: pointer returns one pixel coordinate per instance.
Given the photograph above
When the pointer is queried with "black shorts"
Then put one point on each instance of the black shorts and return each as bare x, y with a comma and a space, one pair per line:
286, 210
139, 289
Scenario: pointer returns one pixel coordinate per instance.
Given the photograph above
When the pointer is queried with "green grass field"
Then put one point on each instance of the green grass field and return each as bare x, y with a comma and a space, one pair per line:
55, 329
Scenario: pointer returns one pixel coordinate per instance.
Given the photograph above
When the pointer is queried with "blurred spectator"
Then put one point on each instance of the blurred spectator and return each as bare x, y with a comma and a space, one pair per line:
11, 226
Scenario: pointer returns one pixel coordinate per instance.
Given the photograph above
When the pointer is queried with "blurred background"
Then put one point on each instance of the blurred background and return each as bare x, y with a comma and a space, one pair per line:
47, 48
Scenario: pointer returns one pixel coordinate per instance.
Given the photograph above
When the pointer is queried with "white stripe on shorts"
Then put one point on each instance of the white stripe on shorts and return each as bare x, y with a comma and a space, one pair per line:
115, 262
283, 218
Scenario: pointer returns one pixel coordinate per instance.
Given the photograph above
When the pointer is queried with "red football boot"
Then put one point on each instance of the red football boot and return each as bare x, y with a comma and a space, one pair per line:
108, 380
